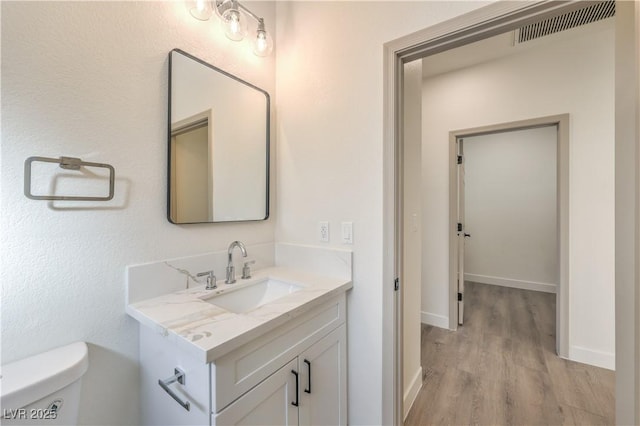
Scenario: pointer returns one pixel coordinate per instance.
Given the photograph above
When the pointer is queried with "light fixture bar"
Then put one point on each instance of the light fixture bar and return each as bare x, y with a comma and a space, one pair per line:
234, 24
250, 13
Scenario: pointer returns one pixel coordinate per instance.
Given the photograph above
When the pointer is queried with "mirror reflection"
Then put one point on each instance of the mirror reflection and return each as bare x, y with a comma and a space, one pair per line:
218, 145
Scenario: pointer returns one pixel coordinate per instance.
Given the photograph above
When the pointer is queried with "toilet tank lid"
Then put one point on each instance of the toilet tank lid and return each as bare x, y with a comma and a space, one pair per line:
30, 379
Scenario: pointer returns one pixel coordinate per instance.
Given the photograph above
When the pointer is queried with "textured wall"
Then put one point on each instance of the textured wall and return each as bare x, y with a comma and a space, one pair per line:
89, 79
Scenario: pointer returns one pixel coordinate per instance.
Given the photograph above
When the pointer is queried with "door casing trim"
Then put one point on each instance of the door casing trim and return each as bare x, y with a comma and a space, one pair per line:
476, 25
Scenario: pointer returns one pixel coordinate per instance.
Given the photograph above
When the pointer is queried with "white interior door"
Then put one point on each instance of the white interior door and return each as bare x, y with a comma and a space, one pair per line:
461, 233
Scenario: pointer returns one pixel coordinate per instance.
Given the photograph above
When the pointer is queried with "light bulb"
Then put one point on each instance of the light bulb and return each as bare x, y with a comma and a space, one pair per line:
263, 43
200, 9
235, 25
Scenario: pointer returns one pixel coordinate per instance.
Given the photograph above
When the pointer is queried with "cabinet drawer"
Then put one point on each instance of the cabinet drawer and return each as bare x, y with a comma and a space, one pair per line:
239, 371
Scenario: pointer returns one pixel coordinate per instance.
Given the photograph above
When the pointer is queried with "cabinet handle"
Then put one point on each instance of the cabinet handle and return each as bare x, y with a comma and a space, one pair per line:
308, 390
179, 377
295, 403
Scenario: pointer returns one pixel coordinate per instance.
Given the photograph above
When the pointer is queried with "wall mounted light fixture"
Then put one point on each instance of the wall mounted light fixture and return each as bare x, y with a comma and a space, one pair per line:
233, 16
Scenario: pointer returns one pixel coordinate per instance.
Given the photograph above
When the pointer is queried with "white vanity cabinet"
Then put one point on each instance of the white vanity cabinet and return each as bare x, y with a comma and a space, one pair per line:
308, 390
293, 374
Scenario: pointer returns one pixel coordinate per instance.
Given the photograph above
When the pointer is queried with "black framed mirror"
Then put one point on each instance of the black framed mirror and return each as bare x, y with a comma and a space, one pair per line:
218, 145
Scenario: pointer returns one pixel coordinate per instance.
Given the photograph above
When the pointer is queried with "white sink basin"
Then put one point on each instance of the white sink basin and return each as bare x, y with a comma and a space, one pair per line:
250, 297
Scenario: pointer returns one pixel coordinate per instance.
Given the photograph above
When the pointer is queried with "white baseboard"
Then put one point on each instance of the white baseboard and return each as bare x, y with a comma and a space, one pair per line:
434, 319
507, 282
412, 392
592, 357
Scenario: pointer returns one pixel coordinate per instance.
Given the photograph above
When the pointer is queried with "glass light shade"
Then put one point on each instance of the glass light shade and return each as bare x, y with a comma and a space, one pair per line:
263, 43
200, 9
235, 24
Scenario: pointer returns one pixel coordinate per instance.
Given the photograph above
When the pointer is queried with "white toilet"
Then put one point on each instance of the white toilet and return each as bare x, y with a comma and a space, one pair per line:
44, 389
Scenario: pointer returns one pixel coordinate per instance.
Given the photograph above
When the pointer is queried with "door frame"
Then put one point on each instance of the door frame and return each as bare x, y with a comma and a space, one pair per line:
456, 315
562, 205
476, 25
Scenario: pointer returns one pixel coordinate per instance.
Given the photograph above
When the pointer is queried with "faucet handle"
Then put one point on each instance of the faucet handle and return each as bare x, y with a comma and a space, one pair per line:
246, 270
211, 279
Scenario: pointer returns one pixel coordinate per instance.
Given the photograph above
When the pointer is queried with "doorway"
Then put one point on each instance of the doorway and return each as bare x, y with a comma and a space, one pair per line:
488, 21
459, 233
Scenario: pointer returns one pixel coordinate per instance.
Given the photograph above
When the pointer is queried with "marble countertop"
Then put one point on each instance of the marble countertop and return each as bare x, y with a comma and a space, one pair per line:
208, 331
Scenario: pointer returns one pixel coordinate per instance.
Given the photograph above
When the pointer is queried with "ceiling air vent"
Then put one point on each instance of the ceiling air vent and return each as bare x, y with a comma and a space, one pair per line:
592, 13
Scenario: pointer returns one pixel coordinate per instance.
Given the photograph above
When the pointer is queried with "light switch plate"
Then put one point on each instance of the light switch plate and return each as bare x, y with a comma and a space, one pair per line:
323, 231
347, 232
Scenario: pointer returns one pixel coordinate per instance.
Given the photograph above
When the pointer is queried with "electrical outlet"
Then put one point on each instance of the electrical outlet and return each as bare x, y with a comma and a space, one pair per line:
347, 232
323, 231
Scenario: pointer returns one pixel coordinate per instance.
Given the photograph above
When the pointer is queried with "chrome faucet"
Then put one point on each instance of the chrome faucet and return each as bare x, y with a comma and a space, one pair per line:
231, 270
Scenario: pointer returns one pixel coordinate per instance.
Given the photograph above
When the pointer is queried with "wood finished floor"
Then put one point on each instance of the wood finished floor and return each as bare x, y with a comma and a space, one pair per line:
501, 368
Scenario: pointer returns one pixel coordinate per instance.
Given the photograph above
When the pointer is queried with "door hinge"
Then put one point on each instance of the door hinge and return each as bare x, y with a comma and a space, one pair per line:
459, 159
459, 297
396, 284
459, 227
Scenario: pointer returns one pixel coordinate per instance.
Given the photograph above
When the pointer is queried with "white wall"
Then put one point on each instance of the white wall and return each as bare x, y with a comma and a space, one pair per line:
510, 209
412, 243
89, 79
575, 76
329, 85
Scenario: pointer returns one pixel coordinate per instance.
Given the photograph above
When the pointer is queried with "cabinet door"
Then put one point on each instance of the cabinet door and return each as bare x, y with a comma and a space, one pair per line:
269, 403
323, 381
